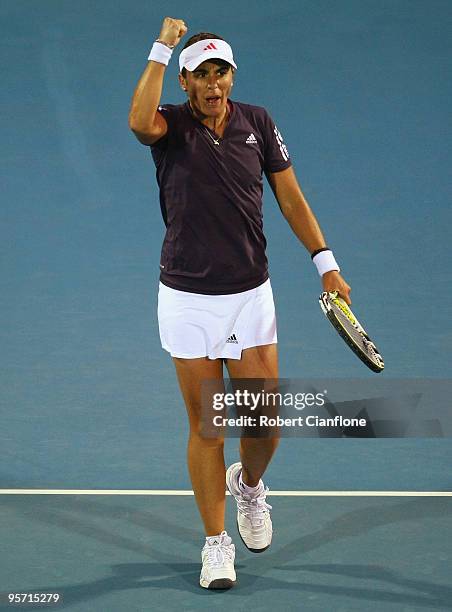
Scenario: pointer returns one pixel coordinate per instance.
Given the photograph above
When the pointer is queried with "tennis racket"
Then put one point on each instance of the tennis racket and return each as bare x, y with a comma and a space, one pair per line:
350, 329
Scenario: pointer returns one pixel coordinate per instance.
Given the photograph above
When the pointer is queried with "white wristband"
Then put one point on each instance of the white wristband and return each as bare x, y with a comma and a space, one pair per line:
160, 53
325, 262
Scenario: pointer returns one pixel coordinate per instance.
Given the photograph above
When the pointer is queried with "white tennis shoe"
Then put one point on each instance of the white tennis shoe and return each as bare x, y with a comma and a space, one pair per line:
253, 516
218, 557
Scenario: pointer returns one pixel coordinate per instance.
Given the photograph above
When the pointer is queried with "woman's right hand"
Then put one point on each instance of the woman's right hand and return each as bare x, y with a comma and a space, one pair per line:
172, 30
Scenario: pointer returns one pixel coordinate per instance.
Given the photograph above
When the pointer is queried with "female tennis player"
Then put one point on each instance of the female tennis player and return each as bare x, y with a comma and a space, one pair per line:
215, 302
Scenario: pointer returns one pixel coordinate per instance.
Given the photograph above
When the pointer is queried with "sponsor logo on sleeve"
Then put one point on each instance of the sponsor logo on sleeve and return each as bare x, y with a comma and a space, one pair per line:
282, 146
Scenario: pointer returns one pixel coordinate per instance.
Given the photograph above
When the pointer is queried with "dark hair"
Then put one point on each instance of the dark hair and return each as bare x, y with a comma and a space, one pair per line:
196, 38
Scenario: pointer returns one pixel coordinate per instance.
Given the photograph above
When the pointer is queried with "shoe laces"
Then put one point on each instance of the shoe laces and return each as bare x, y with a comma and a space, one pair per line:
219, 550
254, 507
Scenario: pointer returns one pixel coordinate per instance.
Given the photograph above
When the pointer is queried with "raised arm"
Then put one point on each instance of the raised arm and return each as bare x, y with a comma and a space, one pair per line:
145, 121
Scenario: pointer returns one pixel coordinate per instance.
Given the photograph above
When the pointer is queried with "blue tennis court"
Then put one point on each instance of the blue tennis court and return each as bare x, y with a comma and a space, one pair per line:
95, 497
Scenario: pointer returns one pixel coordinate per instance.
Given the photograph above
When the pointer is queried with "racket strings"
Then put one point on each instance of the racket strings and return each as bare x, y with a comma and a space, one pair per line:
344, 308
354, 332
349, 328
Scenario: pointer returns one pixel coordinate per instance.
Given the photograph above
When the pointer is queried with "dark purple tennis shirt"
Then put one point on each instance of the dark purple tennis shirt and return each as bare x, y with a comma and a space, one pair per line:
211, 198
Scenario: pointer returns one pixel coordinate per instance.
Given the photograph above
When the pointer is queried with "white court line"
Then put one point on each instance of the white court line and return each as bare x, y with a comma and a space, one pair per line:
188, 492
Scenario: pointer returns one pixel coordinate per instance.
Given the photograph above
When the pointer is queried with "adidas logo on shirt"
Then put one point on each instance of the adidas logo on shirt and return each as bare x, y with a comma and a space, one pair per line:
251, 139
232, 339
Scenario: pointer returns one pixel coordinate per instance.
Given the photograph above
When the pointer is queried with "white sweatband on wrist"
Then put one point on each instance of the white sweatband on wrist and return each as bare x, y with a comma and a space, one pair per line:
160, 53
325, 262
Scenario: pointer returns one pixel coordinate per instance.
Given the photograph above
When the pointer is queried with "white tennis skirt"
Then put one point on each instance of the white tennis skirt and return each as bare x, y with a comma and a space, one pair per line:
193, 325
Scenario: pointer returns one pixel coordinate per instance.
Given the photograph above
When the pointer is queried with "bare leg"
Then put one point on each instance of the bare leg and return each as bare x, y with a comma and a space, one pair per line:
255, 453
204, 455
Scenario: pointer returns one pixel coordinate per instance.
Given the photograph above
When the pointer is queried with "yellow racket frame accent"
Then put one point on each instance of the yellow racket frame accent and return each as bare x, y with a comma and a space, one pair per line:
344, 307
376, 363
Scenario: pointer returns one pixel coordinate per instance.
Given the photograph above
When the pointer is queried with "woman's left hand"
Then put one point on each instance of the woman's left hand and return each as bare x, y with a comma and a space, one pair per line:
333, 281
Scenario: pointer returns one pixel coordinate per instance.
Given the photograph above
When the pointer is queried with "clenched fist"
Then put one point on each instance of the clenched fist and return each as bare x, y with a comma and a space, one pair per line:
172, 30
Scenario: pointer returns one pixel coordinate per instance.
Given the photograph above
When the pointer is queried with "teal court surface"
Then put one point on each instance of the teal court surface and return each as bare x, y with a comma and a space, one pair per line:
93, 429
128, 552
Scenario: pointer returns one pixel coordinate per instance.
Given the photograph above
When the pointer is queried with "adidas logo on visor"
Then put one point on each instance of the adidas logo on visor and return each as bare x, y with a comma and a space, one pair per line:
191, 57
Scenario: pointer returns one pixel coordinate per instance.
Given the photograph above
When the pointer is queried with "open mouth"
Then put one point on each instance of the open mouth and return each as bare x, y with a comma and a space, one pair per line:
213, 101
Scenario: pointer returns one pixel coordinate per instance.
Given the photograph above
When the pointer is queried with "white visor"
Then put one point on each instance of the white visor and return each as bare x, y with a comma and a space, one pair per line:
203, 50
